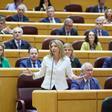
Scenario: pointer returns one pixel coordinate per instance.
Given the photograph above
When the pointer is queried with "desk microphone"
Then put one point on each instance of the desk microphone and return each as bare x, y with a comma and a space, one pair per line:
51, 74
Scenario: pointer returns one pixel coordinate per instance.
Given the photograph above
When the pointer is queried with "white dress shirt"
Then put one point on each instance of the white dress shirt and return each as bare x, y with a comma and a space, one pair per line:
57, 71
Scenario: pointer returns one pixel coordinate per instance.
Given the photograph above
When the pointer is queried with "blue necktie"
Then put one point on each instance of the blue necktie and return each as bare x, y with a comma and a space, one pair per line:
87, 85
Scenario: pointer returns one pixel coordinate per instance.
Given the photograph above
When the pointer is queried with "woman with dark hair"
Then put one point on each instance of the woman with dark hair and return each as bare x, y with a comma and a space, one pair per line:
91, 42
14, 5
43, 5
4, 63
108, 16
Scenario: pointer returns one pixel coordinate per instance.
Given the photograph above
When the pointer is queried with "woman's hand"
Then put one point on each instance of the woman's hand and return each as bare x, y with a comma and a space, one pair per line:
27, 72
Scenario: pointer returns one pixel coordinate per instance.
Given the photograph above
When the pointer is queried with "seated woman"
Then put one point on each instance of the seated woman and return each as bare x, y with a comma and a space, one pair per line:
91, 42
4, 62
75, 63
108, 16
43, 5
14, 5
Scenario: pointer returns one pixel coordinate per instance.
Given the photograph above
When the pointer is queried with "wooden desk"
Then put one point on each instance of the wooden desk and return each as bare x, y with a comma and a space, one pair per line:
83, 56
69, 101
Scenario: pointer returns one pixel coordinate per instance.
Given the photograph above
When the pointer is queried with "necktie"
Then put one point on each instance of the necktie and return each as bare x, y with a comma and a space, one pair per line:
99, 32
51, 20
101, 9
34, 65
19, 46
87, 85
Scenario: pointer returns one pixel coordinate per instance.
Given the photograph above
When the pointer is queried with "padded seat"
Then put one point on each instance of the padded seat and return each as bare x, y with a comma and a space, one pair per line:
73, 8
25, 86
77, 19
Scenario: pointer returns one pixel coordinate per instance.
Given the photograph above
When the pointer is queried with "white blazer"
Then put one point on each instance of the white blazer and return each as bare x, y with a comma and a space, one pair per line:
57, 71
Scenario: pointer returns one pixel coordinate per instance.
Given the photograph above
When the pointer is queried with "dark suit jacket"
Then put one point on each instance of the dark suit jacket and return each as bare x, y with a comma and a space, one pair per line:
12, 45
75, 63
95, 8
62, 31
104, 32
107, 63
27, 63
46, 20
16, 18
79, 84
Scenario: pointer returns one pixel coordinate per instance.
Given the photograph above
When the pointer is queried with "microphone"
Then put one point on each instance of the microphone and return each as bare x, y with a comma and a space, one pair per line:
51, 75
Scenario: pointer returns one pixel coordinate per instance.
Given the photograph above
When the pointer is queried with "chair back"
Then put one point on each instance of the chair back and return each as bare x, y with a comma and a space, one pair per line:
8, 18
45, 43
110, 45
108, 83
25, 87
31, 30
77, 44
73, 8
77, 19
99, 62
17, 64
89, 8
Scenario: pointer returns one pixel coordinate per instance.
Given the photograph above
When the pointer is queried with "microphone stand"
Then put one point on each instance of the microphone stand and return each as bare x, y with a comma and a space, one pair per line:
51, 74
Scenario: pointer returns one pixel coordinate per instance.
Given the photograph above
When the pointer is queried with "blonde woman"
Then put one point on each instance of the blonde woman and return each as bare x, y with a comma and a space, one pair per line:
75, 63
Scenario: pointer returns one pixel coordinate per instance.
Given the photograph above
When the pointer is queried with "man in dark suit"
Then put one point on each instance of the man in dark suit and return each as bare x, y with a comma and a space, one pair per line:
17, 42
98, 28
32, 61
50, 16
88, 81
20, 17
67, 29
100, 7
107, 63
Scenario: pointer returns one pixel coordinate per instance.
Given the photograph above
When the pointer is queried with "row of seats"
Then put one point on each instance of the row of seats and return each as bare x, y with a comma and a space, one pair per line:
46, 28
42, 41
56, 3
37, 16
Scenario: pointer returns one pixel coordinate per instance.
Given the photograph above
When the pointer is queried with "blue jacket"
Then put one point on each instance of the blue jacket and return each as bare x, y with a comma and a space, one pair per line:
46, 20
16, 18
79, 84
27, 63
107, 63
12, 45
62, 31
104, 32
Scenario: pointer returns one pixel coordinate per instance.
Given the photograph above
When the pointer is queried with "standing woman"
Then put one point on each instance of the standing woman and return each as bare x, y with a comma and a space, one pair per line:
4, 62
13, 6
55, 67
43, 5
91, 42
75, 63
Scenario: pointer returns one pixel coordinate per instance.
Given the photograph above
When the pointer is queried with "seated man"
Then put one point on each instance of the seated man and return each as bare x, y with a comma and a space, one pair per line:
50, 16
20, 17
17, 42
98, 28
88, 82
107, 63
32, 61
107, 105
67, 29
3, 28
100, 7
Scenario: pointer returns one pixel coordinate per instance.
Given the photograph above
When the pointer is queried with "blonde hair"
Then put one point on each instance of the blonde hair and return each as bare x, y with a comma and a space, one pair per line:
59, 45
69, 45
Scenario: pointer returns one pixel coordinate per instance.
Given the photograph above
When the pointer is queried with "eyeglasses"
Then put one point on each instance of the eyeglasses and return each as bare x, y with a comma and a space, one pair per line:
17, 32
89, 69
99, 23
